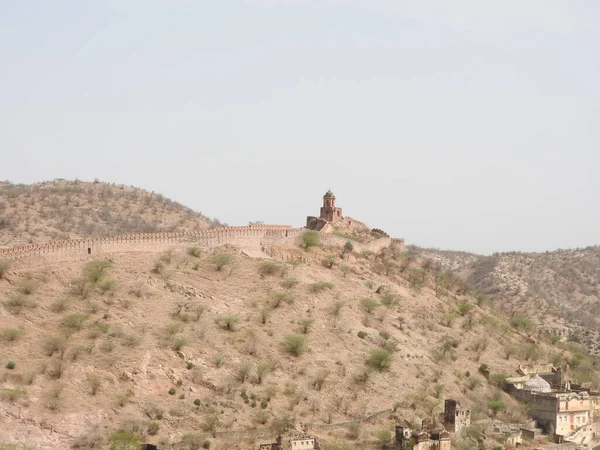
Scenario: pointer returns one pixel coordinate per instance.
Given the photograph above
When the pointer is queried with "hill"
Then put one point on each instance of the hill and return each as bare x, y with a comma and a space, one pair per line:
223, 340
61, 209
561, 289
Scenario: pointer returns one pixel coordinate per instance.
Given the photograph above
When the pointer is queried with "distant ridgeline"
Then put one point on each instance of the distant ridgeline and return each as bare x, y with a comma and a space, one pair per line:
251, 237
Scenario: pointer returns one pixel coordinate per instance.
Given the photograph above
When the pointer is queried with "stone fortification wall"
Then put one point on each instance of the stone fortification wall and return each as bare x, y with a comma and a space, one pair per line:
252, 237
247, 237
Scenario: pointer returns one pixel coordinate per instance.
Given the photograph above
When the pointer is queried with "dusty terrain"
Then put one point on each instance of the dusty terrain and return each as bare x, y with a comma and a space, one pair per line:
165, 348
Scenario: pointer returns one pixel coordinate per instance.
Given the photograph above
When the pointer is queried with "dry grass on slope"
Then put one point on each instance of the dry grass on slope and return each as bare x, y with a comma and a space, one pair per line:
167, 348
64, 210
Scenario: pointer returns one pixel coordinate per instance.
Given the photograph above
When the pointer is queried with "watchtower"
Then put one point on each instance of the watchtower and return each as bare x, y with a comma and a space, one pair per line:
329, 212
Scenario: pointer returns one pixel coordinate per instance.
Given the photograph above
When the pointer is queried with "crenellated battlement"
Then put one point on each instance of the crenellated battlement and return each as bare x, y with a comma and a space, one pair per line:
245, 237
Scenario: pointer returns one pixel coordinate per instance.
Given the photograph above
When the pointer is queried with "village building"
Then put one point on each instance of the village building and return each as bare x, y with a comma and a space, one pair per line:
432, 439
555, 407
295, 442
455, 416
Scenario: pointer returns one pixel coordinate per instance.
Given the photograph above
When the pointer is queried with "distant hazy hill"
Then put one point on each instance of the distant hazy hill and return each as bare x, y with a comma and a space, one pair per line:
72, 209
562, 283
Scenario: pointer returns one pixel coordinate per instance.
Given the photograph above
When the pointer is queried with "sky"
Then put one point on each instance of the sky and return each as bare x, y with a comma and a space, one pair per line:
458, 124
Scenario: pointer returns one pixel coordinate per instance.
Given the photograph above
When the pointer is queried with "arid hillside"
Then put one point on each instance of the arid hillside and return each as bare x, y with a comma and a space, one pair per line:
59, 210
186, 348
560, 289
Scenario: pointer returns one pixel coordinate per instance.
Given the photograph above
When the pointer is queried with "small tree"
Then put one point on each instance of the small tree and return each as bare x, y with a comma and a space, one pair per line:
305, 324
496, 406
379, 359
383, 436
262, 369
464, 307
295, 344
310, 238
221, 260
348, 247
369, 305
228, 322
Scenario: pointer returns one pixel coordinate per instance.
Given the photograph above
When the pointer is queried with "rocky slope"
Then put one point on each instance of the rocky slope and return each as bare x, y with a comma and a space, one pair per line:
71, 209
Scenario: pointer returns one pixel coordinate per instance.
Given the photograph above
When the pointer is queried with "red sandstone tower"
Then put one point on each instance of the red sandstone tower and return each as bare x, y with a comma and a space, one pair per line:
328, 211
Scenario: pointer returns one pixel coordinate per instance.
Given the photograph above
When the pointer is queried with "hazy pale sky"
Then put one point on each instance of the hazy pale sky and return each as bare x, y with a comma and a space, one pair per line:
459, 124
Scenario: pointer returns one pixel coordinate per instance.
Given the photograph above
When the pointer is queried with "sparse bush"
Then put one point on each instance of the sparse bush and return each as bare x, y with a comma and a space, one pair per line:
95, 270
320, 286
12, 395
153, 428
270, 268
379, 359
81, 287
295, 344
305, 324
310, 238
10, 334
73, 322
242, 372
369, 305
178, 343
320, 379
348, 247
345, 270
124, 440
336, 308
94, 383
523, 323
17, 302
59, 305
289, 283
218, 360
383, 436
108, 286
228, 322
329, 261
196, 252
262, 369
389, 299
221, 260
496, 406
27, 286
54, 344
464, 307
277, 298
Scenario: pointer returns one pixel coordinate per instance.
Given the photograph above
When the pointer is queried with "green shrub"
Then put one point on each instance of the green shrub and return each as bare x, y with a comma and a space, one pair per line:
289, 283
295, 344
389, 299
270, 268
54, 344
362, 334
74, 322
369, 305
189, 366
95, 270
228, 322
262, 369
310, 239
523, 323
464, 307
10, 365
348, 246
305, 324
16, 303
329, 261
496, 406
384, 436
379, 359
277, 298
320, 286
10, 334
194, 251
172, 391
221, 260
197, 402
153, 428
124, 440
108, 286
178, 343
